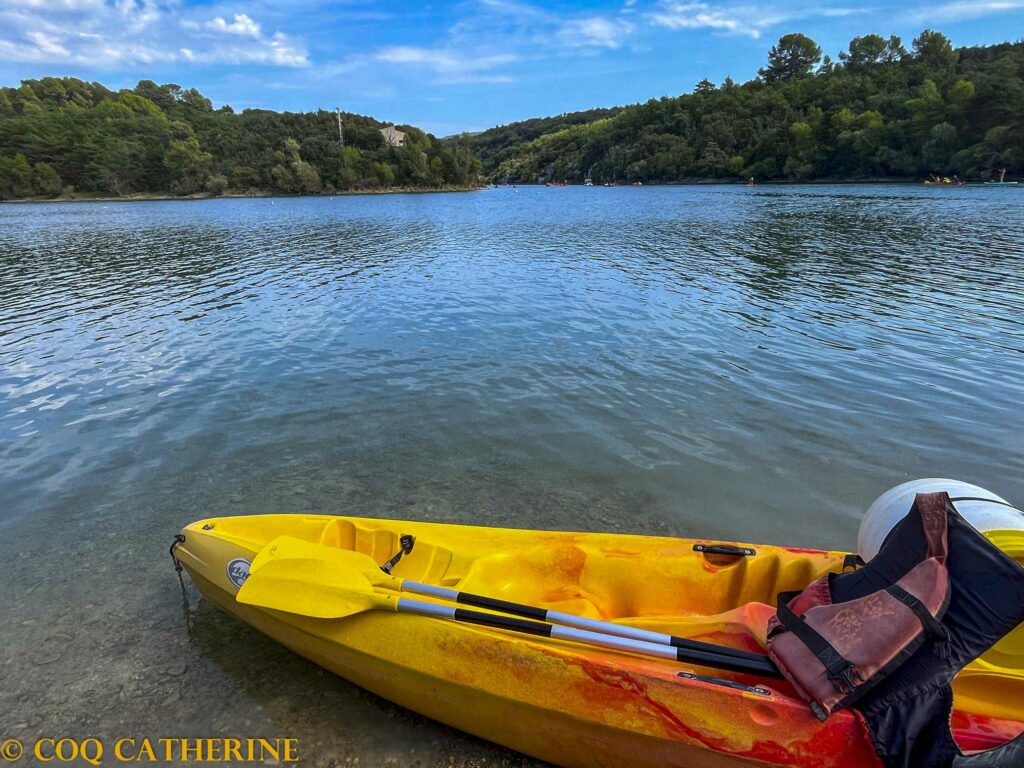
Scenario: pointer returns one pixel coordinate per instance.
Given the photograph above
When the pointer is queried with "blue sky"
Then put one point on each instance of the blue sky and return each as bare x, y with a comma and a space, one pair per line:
449, 66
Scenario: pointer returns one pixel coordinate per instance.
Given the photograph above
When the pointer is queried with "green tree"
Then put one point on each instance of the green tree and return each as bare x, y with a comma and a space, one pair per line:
118, 167
216, 184
16, 177
926, 109
189, 165
937, 152
292, 174
244, 178
713, 159
935, 51
45, 180
870, 51
794, 56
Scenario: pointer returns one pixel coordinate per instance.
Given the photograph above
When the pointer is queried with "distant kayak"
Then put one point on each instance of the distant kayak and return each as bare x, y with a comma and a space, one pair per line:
555, 699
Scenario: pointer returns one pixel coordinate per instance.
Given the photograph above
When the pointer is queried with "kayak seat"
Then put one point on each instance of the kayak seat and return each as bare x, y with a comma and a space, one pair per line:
427, 562
660, 594
675, 583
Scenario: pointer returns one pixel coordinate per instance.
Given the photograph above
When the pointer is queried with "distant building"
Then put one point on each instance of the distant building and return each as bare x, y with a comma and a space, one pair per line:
392, 136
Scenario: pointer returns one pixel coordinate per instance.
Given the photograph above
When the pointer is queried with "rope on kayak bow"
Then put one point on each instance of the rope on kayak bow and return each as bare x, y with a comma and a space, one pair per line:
185, 608
408, 541
178, 539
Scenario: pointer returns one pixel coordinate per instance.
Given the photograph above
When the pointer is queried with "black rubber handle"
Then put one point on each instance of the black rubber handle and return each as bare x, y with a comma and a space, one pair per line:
724, 549
502, 622
726, 683
491, 603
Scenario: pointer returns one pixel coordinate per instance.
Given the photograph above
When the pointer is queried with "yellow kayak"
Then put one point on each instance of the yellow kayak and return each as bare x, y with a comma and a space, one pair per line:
572, 704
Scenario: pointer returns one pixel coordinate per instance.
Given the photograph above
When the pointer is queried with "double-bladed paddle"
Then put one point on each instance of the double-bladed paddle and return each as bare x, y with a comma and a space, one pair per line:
309, 579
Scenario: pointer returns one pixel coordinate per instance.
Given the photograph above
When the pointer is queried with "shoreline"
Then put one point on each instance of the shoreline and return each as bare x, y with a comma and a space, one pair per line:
143, 197
155, 197
743, 183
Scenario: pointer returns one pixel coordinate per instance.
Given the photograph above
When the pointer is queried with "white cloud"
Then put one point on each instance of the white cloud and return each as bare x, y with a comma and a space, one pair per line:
446, 65
735, 20
514, 8
966, 9
47, 44
595, 32
118, 33
242, 25
749, 20
54, 4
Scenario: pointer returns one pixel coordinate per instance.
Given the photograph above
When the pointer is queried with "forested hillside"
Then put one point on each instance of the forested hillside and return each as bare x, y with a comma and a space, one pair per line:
879, 111
497, 145
62, 135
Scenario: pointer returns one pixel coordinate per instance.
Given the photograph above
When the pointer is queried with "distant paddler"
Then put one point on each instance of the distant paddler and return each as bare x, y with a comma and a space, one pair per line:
943, 181
1002, 178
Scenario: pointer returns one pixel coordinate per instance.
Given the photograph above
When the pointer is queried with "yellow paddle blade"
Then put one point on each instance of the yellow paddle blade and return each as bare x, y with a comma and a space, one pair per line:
305, 579
332, 558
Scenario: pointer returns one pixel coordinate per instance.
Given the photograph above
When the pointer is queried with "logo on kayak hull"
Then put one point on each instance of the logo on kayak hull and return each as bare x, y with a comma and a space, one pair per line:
238, 571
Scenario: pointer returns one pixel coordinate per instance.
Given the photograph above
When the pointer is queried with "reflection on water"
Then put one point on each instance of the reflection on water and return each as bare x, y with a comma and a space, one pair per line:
749, 364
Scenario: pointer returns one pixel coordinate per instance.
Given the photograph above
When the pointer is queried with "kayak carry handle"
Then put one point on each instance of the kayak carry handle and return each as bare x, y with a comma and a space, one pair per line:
726, 683
724, 549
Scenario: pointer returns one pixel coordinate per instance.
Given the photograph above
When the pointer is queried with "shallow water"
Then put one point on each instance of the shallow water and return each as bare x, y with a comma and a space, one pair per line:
751, 364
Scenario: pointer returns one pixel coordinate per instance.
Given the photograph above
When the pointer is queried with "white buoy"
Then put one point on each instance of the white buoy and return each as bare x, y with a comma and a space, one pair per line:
980, 507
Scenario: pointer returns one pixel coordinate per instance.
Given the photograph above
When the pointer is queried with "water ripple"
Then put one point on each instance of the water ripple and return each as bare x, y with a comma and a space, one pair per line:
699, 345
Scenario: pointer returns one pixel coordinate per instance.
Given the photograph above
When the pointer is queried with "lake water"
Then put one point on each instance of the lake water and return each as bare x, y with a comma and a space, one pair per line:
754, 364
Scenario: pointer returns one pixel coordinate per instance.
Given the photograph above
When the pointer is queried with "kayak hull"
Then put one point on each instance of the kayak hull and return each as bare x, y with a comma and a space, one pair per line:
567, 704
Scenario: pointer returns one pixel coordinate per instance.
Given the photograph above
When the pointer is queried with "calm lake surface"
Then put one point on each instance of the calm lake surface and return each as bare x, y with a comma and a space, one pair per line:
754, 364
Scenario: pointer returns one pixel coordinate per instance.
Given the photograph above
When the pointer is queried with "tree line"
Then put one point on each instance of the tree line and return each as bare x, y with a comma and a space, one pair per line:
878, 111
63, 136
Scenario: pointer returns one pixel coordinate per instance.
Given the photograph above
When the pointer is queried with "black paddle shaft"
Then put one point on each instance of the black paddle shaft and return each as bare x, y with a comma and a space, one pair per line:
757, 666
529, 612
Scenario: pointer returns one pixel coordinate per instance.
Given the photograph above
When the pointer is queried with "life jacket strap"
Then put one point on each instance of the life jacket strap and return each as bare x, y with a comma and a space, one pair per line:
931, 625
840, 670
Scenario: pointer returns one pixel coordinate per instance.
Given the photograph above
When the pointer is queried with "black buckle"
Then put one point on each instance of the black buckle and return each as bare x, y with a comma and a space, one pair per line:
845, 676
852, 562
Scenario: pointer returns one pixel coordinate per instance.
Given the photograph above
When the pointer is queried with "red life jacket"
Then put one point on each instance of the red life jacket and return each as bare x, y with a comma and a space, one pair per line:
834, 653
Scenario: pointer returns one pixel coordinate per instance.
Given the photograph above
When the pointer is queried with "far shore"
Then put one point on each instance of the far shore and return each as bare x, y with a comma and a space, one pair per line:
147, 197
757, 182
155, 196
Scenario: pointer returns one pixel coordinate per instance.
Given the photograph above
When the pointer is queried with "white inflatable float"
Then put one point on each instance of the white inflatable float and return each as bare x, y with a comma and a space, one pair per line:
991, 514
